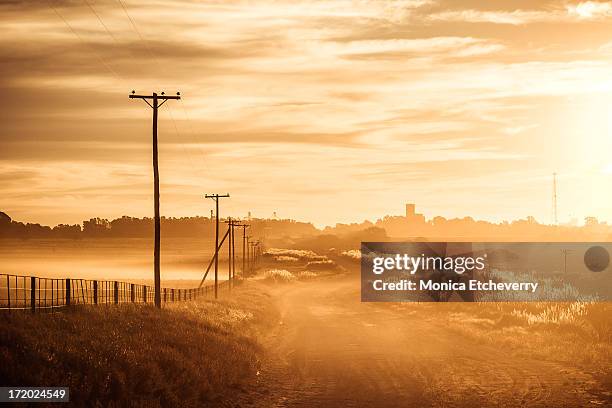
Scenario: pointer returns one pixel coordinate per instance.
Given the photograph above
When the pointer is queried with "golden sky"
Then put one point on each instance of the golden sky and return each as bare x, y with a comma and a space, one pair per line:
325, 111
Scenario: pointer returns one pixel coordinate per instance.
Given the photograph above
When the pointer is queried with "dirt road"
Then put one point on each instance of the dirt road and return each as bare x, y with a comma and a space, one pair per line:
331, 350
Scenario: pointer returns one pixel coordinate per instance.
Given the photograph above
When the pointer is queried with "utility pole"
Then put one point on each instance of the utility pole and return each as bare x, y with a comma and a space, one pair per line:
216, 197
248, 257
233, 242
256, 254
565, 252
254, 245
230, 251
234, 224
229, 255
155, 105
244, 246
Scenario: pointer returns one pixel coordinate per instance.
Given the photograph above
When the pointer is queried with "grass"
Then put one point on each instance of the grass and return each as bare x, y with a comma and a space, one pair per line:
577, 334
188, 354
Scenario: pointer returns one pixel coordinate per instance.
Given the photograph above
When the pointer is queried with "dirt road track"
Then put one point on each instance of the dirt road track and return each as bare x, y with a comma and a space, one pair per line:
331, 350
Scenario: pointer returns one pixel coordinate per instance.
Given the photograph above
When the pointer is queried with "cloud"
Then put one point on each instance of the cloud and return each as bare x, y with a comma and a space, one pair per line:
429, 47
326, 91
590, 10
516, 17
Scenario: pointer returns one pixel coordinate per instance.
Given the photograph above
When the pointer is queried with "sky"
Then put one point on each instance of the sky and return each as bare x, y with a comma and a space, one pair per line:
322, 111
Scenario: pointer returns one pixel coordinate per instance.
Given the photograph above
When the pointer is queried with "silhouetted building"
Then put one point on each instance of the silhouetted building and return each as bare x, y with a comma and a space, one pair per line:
410, 210
411, 214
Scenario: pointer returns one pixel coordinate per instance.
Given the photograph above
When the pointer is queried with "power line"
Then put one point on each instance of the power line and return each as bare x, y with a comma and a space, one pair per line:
178, 136
76, 34
192, 134
135, 27
100, 20
176, 128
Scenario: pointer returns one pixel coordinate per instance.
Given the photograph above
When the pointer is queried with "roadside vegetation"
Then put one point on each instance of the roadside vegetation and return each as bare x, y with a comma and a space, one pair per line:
188, 354
573, 334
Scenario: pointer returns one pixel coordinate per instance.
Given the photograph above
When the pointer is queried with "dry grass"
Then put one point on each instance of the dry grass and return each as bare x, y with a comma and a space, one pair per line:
189, 354
578, 334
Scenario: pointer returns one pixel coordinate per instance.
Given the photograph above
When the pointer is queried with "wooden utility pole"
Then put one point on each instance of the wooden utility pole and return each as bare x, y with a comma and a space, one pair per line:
155, 105
232, 242
256, 253
248, 254
230, 231
253, 255
216, 197
244, 238
565, 252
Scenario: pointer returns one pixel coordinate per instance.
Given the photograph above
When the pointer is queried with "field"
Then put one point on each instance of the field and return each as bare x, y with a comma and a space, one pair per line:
188, 354
129, 259
298, 335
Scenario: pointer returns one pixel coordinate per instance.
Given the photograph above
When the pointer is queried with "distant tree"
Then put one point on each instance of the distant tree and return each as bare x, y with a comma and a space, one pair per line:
67, 231
96, 227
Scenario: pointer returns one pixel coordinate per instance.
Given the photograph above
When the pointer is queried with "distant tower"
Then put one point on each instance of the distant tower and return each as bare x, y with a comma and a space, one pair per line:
211, 214
249, 216
274, 215
410, 210
554, 200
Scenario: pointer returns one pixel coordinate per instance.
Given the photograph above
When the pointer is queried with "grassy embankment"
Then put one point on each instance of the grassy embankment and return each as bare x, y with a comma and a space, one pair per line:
188, 354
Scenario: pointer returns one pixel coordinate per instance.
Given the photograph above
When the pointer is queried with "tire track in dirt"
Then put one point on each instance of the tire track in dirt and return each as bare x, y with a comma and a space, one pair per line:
332, 350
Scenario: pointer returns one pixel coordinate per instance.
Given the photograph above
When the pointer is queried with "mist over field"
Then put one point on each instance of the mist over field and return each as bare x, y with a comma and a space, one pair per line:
130, 259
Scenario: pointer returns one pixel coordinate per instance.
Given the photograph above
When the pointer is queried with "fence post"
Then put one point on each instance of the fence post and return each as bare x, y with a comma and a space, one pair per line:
132, 293
8, 291
67, 291
165, 294
172, 294
95, 290
144, 293
33, 293
116, 284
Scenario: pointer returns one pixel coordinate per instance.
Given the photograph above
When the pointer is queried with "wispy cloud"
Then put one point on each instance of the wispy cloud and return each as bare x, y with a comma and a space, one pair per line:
516, 17
588, 10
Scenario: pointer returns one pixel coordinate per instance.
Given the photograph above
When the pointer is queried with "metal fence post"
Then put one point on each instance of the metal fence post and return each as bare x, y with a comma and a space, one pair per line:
132, 293
67, 291
33, 293
165, 294
116, 284
144, 293
8, 291
172, 294
95, 292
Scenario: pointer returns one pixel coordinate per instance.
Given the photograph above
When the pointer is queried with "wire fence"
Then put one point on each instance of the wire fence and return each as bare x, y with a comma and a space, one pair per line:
39, 294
